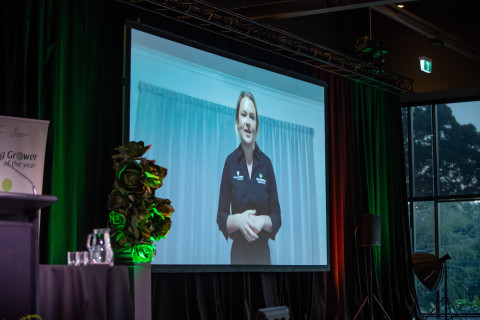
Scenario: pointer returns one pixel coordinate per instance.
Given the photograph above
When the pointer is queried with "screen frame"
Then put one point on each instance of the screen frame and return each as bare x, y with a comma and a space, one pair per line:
181, 268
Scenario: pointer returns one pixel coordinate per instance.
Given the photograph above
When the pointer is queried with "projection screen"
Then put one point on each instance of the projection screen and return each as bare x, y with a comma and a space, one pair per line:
182, 101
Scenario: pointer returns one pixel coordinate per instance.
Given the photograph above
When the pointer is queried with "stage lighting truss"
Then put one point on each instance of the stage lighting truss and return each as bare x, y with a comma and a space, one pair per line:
228, 24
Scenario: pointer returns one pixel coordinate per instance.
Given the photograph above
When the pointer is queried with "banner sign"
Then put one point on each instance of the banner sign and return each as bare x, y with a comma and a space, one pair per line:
22, 154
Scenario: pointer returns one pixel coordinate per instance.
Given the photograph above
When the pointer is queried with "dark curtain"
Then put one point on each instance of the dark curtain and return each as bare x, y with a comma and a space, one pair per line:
378, 117
237, 295
63, 63
348, 271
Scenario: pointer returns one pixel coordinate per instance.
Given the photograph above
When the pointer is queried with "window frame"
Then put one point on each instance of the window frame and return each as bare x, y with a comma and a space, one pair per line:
435, 197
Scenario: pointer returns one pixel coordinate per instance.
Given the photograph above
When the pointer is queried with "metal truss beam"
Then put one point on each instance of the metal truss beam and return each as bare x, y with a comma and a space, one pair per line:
228, 24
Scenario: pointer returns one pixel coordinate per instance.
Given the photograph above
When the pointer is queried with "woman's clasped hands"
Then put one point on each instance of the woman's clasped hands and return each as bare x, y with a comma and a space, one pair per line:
250, 224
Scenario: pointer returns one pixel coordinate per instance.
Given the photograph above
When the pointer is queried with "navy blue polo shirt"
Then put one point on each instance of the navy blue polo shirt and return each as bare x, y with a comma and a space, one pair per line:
239, 192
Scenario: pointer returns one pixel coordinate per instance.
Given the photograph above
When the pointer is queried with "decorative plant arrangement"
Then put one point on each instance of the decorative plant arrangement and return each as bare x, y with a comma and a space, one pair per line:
137, 217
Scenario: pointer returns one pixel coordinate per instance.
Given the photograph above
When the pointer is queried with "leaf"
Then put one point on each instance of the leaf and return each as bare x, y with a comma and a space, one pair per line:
119, 174
151, 176
133, 149
133, 224
158, 213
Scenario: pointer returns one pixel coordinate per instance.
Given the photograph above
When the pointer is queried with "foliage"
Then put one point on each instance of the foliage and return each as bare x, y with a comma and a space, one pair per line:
458, 153
458, 221
467, 306
137, 217
459, 236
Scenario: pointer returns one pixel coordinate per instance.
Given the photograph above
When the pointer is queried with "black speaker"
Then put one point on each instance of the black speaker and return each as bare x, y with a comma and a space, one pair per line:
274, 313
370, 230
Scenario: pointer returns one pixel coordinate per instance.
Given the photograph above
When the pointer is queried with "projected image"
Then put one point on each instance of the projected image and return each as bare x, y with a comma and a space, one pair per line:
250, 191
245, 153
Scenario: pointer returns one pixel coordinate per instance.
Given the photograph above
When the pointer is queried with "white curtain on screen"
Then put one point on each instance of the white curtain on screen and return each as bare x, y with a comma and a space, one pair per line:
192, 138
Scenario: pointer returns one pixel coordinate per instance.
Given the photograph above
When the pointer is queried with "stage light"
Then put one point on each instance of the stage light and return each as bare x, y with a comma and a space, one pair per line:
425, 64
372, 48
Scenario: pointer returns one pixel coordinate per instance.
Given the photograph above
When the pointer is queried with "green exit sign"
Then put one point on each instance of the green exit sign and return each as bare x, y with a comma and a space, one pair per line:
426, 64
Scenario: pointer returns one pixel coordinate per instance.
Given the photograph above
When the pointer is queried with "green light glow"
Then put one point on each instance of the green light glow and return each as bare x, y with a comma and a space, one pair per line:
158, 213
121, 171
143, 253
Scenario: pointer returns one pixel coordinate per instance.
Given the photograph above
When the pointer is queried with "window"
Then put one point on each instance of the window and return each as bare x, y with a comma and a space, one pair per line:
442, 152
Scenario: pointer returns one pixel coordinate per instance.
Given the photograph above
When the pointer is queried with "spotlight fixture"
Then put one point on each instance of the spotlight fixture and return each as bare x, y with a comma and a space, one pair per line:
368, 47
369, 50
425, 64
401, 6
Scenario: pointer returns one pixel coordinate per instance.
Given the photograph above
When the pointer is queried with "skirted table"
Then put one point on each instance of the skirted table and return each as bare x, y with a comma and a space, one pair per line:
85, 292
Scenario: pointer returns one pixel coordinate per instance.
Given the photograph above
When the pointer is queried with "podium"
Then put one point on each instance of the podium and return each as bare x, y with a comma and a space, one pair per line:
19, 252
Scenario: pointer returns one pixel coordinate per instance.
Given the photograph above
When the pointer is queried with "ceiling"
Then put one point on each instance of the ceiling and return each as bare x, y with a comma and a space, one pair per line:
448, 34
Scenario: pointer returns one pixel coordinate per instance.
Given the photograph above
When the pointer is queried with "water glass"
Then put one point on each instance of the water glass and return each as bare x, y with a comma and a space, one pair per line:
77, 258
71, 258
83, 258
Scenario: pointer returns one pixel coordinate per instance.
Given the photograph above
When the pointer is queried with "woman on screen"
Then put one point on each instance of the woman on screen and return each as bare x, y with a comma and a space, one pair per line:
249, 189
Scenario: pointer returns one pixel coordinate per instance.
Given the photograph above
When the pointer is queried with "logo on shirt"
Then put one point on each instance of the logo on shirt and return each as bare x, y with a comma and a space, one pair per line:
260, 179
238, 176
